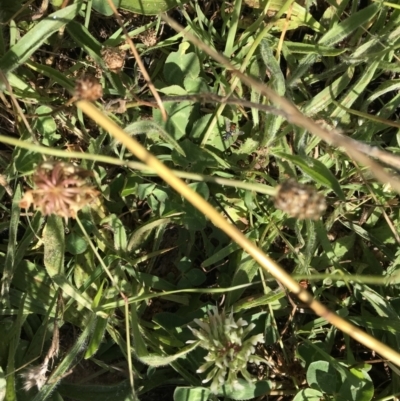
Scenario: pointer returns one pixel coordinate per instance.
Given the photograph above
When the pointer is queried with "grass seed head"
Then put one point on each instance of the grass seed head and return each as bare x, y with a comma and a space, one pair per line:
88, 88
114, 58
300, 201
34, 376
60, 188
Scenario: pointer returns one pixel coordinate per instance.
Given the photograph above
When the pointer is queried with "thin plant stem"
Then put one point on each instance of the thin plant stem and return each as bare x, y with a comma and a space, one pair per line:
293, 115
146, 76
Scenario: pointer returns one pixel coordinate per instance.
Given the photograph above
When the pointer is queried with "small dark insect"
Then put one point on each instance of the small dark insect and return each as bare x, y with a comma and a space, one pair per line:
231, 130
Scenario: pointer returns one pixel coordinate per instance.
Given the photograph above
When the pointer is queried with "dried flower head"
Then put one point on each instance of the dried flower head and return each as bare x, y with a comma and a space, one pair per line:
88, 88
228, 349
149, 37
60, 188
300, 201
114, 58
35, 377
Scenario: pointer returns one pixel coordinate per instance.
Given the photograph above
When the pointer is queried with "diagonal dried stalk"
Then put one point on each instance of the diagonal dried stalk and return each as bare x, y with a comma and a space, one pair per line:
219, 221
293, 115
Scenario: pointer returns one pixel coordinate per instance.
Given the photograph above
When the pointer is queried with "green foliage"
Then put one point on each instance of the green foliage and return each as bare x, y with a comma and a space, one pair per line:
126, 280
149, 7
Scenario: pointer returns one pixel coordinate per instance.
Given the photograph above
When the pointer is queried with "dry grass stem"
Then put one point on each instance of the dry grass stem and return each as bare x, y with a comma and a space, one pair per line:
293, 115
139, 61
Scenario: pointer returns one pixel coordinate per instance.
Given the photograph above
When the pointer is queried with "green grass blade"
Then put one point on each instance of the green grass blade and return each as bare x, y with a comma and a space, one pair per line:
149, 7
355, 90
72, 357
12, 351
117, 392
11, 247
2, 385
35, 38
141, 127
317, 170
54, 248
142, 352
349, 25
234, 20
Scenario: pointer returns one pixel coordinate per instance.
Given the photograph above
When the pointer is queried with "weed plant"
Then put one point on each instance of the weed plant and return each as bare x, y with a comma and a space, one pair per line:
114, 286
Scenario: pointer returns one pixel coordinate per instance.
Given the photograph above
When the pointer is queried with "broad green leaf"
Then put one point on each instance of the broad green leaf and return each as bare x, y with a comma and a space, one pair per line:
173, 90
25, 160
178, 119
308, 394
54, 248
75, 244
248, 391
150, 127
316, 170
245, 271
104, 8
97, 337
307, 353
35, 38
357, 386
200, 126
179, 66
195, 277
150, 7
117, 392
54, 245
195, 85
191, 393
199, 158
46, 126
321, 375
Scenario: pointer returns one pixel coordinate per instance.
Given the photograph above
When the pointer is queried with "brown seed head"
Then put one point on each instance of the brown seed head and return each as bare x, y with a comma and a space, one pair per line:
149, 37
300, 201
114, 58
88, 88
60, 188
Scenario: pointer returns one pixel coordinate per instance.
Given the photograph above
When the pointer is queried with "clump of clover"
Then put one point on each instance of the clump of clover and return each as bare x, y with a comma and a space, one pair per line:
229, 351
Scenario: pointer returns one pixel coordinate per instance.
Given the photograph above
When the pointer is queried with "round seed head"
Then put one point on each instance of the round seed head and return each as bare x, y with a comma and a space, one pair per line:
60, 189
88, 88
300, 201
114, 58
